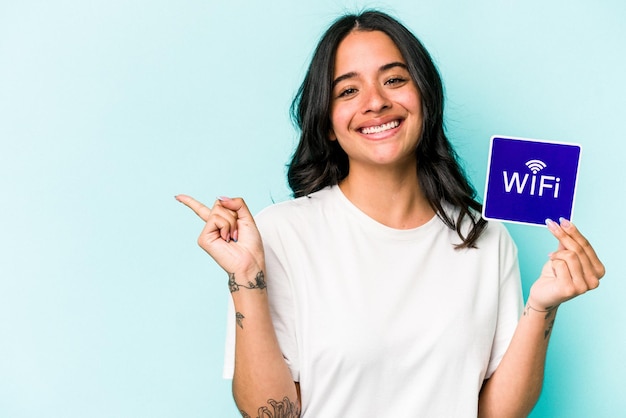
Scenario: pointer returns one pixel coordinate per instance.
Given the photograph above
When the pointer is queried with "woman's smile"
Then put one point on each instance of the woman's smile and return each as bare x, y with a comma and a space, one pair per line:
380, 128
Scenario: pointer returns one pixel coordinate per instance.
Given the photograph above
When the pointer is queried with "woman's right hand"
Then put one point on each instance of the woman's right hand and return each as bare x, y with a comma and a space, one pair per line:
230, 234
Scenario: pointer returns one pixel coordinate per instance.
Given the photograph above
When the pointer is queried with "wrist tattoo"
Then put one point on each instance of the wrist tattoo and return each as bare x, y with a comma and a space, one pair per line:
284, 409
259, 282
549, 310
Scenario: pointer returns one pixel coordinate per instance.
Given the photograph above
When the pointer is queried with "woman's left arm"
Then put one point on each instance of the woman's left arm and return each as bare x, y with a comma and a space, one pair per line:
573, 269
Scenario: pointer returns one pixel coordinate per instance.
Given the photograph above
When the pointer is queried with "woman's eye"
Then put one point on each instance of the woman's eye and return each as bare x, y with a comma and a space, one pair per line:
395, 81
346, 92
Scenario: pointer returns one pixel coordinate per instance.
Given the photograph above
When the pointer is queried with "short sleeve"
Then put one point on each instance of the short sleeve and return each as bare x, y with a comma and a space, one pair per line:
282, 309
510, 303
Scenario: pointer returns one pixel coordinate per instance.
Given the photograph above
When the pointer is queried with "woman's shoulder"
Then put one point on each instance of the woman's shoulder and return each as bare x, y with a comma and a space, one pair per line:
296, 209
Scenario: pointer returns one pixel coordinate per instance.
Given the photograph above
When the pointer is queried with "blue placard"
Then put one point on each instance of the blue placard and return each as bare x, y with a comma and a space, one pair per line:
530, 180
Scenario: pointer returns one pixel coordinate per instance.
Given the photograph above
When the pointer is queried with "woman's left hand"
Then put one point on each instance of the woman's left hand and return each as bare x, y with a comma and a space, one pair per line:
573, 269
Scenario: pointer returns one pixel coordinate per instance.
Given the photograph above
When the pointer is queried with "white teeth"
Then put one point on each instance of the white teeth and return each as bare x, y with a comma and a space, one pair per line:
380, 128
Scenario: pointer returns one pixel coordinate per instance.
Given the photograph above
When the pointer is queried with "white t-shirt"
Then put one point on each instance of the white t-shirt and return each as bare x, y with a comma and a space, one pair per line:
379, 322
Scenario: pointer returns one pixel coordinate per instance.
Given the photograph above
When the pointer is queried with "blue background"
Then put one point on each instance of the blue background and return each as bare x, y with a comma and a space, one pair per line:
511, 155
109, 108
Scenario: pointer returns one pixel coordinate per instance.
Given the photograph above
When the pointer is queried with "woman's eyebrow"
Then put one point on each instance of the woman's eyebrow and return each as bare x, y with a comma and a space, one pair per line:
344, 77
392, 65
382, 69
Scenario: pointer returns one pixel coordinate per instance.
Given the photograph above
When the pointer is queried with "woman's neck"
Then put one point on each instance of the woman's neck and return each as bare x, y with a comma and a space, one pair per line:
392, 198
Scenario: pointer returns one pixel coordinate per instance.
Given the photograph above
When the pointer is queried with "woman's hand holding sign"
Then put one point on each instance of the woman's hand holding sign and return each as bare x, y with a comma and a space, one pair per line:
573, 269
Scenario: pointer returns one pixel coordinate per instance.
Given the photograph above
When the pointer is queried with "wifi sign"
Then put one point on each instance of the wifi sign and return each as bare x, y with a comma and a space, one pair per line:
530, 180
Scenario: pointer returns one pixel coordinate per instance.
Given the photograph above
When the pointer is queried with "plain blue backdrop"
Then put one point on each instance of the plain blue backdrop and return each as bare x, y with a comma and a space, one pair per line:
109, 108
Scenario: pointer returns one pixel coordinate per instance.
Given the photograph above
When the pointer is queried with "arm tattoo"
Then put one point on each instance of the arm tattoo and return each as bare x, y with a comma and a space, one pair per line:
548, 330
239, 316
284, 409
259, 282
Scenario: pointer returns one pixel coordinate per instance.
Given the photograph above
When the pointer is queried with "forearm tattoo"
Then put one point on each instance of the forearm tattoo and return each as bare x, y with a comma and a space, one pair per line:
548, 330
259, 282
284, 409
239, 317
549, 315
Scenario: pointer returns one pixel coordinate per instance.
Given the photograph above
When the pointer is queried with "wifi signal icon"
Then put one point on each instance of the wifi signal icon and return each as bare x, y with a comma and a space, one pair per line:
536, 165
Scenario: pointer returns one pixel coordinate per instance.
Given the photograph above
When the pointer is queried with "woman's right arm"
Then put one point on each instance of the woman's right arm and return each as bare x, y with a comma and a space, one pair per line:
262, 383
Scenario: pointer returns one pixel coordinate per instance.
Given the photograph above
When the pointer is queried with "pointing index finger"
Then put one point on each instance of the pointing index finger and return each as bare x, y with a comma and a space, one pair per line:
200, 209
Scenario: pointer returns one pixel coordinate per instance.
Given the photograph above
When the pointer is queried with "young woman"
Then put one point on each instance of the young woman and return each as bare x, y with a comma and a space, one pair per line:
379, 291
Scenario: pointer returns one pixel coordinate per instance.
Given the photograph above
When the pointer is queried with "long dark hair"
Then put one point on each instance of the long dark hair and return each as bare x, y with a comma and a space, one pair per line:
319, 162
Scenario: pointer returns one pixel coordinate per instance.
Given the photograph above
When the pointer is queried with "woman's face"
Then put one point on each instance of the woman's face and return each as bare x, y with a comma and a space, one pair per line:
376, 112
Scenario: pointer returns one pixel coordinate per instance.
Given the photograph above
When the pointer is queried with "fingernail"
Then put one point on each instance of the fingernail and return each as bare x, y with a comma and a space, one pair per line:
223, 198
235, 235
551, 224
564, 222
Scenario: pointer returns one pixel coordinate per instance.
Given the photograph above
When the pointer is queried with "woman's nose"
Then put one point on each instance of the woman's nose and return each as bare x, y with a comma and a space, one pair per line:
375, 100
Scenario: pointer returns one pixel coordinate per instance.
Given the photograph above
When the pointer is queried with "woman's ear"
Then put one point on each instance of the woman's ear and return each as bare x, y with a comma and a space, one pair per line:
331, 135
